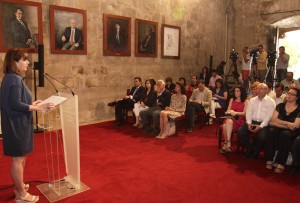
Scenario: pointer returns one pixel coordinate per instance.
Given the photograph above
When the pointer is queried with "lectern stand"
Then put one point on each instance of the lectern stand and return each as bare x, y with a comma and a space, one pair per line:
61, 135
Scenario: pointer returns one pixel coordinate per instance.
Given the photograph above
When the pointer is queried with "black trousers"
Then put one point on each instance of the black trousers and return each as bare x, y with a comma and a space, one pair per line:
122, 104
296, 151
281, 140
192, 109
244, 136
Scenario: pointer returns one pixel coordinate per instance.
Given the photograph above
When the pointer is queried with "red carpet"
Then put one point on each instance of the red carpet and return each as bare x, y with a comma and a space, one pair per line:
124, 164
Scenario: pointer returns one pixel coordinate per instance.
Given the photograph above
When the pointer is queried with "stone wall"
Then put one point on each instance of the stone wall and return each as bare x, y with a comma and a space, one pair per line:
99, 79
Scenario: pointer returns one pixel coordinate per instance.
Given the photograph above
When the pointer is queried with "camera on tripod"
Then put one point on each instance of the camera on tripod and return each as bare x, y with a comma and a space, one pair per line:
272, 57
233, 55
254, 53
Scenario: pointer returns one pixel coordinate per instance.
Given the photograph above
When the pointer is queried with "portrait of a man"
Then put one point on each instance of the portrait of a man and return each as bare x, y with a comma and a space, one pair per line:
20, 32
72, 37
21, 25
116, 35
146, 38
68, 30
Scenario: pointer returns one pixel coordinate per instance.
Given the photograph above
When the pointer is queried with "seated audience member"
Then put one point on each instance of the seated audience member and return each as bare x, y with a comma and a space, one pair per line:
129, 100
162, 99
270, 92
288, 81
213, 78
193, 84
279, 97
169, 84
204, 75
285, 124
237, 109
258, 114
220, 68
296, 156
182, 81
200, 101
145, 102
253, 90
219, 93
176, 109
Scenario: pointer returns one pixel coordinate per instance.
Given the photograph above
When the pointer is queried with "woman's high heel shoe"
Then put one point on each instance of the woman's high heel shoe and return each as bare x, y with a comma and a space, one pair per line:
28, 198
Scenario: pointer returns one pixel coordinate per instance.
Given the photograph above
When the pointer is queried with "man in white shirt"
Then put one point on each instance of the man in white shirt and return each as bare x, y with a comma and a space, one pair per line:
279, 96
258, 114
213, 78
288, 81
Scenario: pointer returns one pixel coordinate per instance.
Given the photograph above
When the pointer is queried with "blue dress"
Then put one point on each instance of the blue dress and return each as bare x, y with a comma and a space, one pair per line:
16, 119
222, 103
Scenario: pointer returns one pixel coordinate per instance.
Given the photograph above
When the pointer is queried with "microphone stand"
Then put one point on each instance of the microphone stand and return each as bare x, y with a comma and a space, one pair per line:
36, 67
46, 74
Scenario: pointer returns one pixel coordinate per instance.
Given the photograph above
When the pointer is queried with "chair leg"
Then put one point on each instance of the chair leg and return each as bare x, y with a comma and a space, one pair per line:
176, 128
219, 133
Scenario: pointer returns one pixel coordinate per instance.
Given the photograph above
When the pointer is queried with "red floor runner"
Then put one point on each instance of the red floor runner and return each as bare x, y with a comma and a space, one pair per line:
123, 164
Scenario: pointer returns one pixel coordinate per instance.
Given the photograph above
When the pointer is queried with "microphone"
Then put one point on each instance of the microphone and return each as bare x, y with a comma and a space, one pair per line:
46, 74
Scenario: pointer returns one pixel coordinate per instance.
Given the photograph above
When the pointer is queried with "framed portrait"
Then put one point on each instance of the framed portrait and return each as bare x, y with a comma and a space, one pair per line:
170, 41
116, 35
20, 25
68, 30
145, 38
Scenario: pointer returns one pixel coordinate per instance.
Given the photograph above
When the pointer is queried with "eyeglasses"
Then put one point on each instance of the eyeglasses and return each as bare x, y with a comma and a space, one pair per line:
289, 93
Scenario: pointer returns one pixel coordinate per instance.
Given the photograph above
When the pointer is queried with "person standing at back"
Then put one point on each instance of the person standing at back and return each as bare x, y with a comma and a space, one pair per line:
282, 64
262, 63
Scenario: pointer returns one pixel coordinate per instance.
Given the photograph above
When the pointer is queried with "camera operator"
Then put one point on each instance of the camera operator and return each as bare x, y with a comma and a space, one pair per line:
282, 64
246, 66
262, 63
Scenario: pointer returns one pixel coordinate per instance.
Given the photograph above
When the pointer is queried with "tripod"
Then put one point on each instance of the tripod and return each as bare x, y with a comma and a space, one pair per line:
254, 71
234, 73
273, 74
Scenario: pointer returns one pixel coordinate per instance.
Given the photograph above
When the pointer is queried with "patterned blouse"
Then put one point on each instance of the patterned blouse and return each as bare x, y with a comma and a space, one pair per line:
178, 103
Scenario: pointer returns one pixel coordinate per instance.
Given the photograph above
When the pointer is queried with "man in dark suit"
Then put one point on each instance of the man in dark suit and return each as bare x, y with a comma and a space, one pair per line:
20, 32
128, 101
162, 99
148, 44
72, 37
116, 41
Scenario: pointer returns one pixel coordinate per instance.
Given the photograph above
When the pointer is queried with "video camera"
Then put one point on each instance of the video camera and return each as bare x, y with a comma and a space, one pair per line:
271, 58
254, 53
234, 55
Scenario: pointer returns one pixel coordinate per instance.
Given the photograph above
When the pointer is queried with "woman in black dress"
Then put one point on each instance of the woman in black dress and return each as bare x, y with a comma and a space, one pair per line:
145, 103
285, 127
16, 119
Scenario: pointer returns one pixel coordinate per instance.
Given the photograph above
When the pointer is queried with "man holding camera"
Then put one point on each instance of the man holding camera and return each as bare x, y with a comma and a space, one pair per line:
258, 114
262, 63
282, 64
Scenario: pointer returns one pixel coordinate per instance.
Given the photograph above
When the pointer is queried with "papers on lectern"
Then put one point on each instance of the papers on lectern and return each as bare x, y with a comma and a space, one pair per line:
56, 100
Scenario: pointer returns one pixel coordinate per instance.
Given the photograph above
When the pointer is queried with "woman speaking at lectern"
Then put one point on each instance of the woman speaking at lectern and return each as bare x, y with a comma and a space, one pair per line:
17, 119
